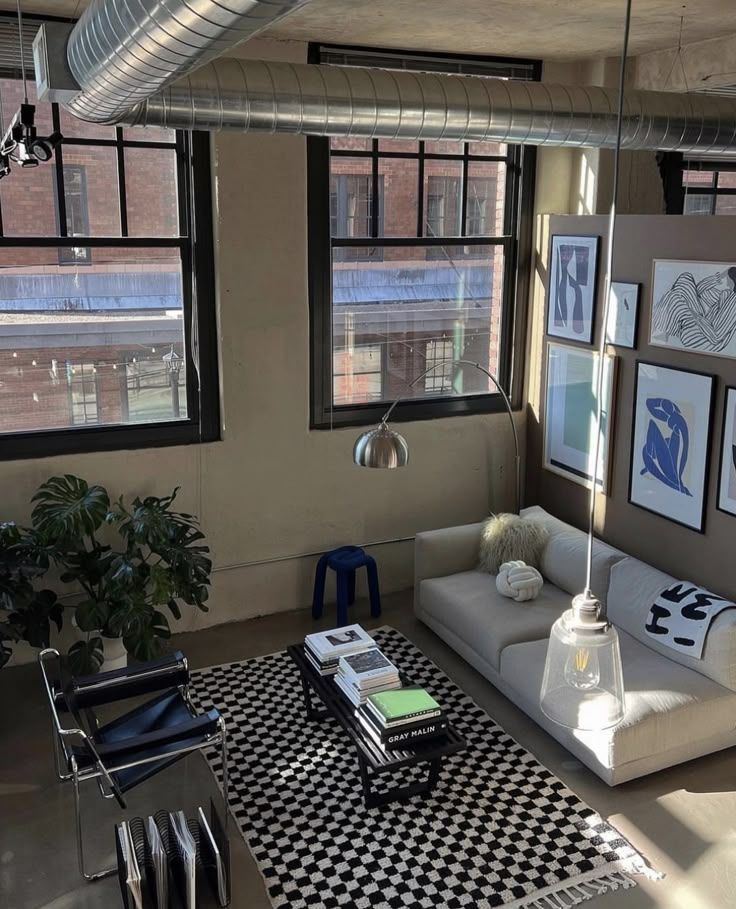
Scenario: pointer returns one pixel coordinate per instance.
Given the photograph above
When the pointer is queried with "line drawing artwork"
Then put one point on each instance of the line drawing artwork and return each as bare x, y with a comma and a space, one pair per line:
696, 310
665, 459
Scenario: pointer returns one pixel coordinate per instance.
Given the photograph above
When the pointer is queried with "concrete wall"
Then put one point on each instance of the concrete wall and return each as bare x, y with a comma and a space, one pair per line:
705, 559
272, 488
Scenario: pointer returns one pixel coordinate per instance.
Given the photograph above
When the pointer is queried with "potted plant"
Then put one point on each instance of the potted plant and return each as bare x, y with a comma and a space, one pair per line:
26, 614
159, 563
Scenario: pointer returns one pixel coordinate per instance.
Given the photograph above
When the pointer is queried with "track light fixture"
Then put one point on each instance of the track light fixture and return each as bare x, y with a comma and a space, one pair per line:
22, 144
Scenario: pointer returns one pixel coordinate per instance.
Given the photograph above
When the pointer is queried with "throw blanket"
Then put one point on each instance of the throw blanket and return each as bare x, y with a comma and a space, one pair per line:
681, 615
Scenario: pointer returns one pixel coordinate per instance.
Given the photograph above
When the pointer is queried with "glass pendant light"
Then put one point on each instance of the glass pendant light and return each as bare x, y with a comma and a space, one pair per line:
583, 684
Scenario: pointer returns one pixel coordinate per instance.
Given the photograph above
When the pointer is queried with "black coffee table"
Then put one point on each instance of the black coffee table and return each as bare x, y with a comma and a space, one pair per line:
373, 760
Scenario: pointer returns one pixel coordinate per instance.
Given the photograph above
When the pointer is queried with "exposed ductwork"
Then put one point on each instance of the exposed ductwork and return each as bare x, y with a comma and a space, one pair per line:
123, 51
256, 96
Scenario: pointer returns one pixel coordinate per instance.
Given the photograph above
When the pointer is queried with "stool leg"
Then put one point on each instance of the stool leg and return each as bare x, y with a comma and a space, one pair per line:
373, 589
351, 587
318, 597
342, 598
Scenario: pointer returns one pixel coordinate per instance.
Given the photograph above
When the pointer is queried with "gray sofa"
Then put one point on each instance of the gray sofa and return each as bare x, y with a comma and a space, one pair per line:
677, 707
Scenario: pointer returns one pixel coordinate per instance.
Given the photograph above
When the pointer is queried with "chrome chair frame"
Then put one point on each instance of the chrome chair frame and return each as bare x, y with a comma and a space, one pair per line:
63, 739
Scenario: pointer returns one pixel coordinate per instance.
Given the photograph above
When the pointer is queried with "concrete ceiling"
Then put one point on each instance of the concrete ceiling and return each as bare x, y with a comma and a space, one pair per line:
547, 29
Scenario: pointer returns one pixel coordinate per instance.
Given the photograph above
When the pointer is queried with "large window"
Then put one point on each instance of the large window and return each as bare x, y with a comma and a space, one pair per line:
101, 291
414, 249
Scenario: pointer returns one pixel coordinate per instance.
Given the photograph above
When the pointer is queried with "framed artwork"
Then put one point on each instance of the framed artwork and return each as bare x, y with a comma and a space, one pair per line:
623, 313
671, 442
727, 473
570, 414
694, 307
573, 276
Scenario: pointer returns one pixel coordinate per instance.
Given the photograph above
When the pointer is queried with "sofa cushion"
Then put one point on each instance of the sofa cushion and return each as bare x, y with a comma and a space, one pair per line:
564, 557
635, 586
667, 705
469, 603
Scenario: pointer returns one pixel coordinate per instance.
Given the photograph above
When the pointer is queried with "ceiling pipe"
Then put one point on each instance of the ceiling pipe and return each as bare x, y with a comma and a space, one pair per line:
257, 96
123, 51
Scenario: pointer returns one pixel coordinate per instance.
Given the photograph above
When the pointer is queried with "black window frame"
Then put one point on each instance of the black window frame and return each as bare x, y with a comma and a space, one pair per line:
714, 192
196, 248
674, 165
519, 200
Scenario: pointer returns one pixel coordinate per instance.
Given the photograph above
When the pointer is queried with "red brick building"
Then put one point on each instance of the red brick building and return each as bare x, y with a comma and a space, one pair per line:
84, 329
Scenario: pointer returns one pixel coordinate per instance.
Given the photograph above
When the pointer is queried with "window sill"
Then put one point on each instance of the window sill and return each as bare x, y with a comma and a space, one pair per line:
86, 440
410, 410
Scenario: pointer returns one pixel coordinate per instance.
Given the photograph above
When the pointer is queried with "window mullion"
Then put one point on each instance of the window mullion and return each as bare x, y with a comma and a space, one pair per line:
464, 192
122, 196
374, 193
59, 165
420, 192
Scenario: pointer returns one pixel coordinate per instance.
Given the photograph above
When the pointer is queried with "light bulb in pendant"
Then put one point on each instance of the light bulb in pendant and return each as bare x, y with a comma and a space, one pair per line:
582, 669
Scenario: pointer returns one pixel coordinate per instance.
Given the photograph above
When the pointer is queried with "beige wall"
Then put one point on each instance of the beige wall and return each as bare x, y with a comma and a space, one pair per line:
272, 488
705, 559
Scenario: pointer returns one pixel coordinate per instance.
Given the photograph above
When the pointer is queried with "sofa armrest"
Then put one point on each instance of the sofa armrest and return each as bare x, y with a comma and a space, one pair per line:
450, 550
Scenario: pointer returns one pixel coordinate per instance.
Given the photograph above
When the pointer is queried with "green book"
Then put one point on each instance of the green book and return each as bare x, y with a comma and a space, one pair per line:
405, 702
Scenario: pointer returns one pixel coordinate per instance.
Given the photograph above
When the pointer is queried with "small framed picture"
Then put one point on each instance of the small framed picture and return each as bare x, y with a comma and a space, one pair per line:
671, 443
727, 479
571, 412
623, 314
573, 276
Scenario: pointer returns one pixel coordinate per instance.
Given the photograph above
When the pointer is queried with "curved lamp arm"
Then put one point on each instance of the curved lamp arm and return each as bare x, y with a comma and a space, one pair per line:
504, 396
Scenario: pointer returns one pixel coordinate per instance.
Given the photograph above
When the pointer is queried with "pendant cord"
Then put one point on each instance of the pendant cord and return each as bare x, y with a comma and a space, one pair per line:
606, 307
22, 53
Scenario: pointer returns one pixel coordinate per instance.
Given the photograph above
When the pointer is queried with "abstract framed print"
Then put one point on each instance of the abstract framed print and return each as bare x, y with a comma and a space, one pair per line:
671, 443
623, 314
573, 277
694, 307
570, 414
727, 473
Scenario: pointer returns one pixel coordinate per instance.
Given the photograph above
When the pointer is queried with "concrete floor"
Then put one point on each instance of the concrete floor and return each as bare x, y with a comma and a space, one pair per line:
683, 820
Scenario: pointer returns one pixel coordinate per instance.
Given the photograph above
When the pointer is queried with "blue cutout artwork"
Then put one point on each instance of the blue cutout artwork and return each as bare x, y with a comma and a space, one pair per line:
666, 458
572, 275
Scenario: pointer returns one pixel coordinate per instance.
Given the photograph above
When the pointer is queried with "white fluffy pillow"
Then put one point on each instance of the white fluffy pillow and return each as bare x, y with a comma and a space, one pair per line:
519, 581
508, 538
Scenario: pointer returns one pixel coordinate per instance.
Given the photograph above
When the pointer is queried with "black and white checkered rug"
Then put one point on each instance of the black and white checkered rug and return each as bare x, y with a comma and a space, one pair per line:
499, 830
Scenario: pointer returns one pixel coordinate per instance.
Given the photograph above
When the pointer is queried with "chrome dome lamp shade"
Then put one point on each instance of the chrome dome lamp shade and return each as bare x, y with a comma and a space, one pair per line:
381, 447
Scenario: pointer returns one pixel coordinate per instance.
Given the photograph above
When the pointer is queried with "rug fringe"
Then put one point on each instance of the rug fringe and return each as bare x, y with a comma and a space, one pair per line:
573, 894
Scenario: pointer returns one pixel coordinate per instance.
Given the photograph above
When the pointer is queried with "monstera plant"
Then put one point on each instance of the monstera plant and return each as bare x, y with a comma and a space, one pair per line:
26, 614
157, 561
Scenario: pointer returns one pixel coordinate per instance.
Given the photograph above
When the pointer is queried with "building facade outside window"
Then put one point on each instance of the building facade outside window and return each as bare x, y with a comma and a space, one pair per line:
98, 282
414, 252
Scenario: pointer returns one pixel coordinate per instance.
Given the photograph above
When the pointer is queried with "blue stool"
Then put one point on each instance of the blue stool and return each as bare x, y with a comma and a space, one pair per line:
344, 562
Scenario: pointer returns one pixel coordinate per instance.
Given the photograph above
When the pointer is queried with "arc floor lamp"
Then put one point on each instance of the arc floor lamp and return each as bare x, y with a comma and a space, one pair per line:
383, 446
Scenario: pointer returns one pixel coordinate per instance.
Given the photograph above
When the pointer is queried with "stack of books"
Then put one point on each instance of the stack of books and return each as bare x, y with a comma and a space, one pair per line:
324, 648
361, 675
401, 719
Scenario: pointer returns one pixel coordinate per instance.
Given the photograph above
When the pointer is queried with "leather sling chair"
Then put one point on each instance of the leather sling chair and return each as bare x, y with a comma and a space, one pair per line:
135, 746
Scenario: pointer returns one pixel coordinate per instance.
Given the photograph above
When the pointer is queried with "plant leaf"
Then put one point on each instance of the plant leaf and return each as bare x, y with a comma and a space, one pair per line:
91, 615
68, 508
85, 657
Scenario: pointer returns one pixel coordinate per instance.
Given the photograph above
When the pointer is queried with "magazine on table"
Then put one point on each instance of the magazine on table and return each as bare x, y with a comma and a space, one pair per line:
338, 641
366, 666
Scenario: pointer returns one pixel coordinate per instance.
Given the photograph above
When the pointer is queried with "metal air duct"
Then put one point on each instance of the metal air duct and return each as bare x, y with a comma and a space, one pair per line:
256, 96
123, 51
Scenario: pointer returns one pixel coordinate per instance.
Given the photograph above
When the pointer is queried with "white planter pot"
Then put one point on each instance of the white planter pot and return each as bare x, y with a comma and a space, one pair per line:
116, 656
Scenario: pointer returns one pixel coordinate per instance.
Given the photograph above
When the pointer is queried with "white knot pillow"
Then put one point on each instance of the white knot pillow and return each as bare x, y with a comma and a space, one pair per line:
518, 581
